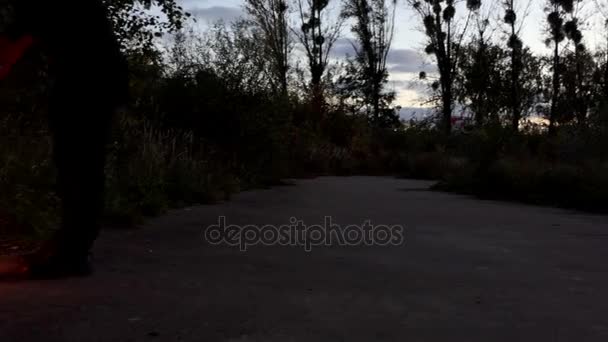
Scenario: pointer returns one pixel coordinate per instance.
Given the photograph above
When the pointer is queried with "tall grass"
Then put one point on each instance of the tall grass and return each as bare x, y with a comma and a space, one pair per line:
149, 170
28, 203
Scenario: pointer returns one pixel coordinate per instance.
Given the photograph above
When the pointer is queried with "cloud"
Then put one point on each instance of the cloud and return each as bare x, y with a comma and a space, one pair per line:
404, 66
342, 47
216, 13
407, 61
399, 60
412, 83
416, 113
411, 92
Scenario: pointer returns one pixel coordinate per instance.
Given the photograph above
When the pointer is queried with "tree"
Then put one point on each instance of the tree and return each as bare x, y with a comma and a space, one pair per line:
530, 82
515, 44
479, 71
480, 82
236, 59
557, 11
444, 42
271, 19
318, 34
577, 78
600, 75
136, 26
582, 65
374, 23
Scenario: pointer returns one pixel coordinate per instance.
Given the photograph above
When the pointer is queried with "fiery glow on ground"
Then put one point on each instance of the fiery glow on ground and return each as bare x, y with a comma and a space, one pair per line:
12, 266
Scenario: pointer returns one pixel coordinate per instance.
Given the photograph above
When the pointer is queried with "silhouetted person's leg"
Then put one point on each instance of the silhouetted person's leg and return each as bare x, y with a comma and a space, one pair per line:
90, 79
80, 129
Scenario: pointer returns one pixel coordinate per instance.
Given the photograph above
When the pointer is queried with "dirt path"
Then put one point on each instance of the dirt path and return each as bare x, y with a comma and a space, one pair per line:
469, 271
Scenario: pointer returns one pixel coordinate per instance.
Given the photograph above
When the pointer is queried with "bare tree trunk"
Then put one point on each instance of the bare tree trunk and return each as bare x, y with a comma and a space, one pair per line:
447, 106
581, 104
556, 88
515, 74
376, 101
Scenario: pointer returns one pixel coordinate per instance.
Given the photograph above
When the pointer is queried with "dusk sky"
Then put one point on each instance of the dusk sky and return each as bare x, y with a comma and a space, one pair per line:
406, 61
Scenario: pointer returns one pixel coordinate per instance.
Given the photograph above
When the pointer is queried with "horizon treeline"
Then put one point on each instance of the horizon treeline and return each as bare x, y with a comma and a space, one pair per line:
481, 68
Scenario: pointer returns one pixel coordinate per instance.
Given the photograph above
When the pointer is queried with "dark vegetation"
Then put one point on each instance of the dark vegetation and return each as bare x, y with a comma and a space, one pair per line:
230, 109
